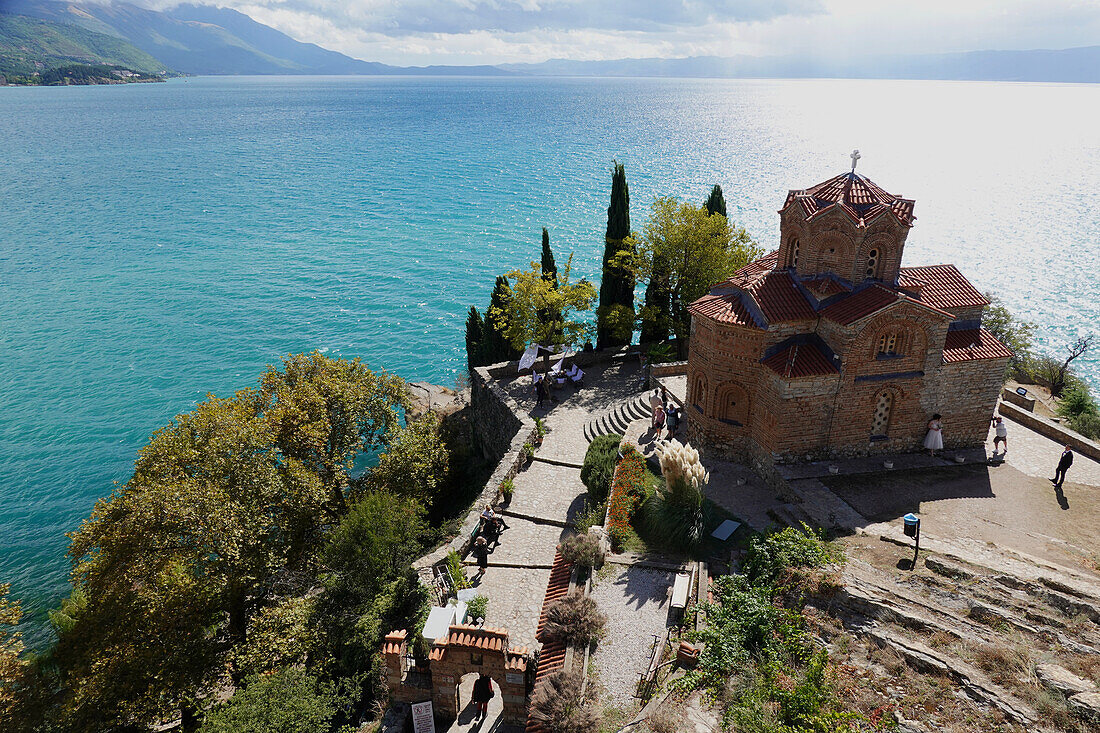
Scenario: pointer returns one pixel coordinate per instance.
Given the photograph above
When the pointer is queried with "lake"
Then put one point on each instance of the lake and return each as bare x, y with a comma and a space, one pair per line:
165, 241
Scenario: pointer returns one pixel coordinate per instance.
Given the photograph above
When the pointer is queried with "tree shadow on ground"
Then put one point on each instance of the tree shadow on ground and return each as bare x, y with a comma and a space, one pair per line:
644, 585
881, 497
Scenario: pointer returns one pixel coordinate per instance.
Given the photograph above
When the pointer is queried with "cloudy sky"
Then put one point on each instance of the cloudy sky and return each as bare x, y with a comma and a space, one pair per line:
493, 31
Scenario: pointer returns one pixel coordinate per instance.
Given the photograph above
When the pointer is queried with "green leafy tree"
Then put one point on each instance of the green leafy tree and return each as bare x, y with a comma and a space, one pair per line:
699, 249
221, 502
415, 464
327, 412
1014, 333
617, 283
655, 312
530, 295
716, 202
288, 701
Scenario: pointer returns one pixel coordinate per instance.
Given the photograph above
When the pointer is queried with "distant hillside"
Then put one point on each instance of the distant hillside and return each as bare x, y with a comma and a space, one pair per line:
32, 45
199, 39
1067, 65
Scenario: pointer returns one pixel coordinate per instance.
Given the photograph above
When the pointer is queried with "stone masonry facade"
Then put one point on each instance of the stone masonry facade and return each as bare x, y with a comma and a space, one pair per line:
828, 347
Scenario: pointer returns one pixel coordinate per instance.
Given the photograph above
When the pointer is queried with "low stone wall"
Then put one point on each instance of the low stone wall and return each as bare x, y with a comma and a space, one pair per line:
1051, 429
670, 369
1009, 395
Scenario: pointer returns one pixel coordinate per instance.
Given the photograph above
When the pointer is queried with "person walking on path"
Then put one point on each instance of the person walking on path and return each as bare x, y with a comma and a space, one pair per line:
934, 440
672, 420
659, 420
1063, 465
655, 401
483, 693
1000, 434
481, 554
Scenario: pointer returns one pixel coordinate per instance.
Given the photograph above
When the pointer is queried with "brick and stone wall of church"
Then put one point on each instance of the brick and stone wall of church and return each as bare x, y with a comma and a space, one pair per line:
966, 396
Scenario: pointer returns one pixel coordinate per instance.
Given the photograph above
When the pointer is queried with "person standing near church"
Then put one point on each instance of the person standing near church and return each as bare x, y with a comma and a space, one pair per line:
934, 440
1000, 434
1063, 465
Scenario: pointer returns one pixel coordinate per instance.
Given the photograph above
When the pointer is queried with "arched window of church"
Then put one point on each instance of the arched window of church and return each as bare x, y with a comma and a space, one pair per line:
794, 252
872, 263
887, 344
880, 421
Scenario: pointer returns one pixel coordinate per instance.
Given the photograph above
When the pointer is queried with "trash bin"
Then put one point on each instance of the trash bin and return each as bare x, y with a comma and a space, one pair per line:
912, 521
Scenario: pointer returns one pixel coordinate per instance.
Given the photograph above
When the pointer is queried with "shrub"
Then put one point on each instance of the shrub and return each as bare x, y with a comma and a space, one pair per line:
527, 452
627, 492
1087, 424
590, 516
583, 550
1076, 401
289, 700
599, 466
458, 573
769, 557
558, 705
478, 607
574, 619
507, 488
540, 427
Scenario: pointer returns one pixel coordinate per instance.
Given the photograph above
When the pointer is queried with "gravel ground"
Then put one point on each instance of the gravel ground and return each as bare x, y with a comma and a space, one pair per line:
635, 602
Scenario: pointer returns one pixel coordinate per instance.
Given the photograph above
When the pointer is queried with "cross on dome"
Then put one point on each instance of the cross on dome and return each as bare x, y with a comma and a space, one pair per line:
855, 159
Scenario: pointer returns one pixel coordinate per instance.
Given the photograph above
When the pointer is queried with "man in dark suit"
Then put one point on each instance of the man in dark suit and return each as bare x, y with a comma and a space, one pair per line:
1063, 464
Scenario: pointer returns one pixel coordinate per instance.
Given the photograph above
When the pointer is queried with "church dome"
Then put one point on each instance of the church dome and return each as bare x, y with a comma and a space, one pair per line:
857, 196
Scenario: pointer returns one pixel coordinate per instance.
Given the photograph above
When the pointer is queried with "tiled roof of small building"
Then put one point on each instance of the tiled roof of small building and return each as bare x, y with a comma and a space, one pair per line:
800, 360
477, 637
394, 639
859, 305
758, 267
973, 344
940, 286
858, 196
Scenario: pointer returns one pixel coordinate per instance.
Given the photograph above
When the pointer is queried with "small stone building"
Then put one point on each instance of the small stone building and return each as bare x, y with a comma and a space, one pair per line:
466, 649
829, 347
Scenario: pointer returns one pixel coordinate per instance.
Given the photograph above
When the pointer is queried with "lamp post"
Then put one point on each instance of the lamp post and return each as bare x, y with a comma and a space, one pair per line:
912, 529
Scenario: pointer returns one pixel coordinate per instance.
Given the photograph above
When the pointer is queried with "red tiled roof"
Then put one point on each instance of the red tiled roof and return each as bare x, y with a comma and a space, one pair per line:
552, 656
556, 587
859, 305
394, 639
825, 286
972, 344
726, 308
940, 286
800, 360
478, 637
779, 298
766, 263
856, 195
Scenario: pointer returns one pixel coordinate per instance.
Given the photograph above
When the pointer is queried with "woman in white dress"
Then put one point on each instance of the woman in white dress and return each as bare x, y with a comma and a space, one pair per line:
934, 440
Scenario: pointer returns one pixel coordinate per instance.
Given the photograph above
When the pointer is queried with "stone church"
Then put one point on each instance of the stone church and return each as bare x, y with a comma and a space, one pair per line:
829, 347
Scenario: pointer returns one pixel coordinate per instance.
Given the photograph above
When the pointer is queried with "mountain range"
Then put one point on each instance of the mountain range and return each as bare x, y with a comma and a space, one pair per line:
202, 39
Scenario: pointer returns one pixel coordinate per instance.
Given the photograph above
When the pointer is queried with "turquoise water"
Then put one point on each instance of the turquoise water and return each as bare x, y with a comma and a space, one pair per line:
159, 242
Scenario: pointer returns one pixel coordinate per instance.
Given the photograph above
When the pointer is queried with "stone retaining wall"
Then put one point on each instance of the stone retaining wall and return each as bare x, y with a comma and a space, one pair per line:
1051, 429
1028, 403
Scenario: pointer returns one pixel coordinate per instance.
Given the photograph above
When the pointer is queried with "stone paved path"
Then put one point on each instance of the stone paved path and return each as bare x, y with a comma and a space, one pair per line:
550, 495
1037, 455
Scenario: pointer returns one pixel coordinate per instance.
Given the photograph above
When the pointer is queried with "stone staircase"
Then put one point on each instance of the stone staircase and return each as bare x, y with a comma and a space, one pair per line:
616, 420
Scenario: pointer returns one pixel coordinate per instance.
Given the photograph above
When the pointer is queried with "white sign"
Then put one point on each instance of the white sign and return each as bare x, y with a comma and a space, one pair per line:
423, 719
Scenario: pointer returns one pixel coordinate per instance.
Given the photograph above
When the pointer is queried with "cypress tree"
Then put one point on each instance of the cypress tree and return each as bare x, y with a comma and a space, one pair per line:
497, 348
475, 334
716, 202
549, 269
655, 320
617, 284
550, 275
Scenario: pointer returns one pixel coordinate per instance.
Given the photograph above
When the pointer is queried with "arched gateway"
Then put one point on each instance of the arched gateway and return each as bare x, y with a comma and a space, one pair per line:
465, 649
